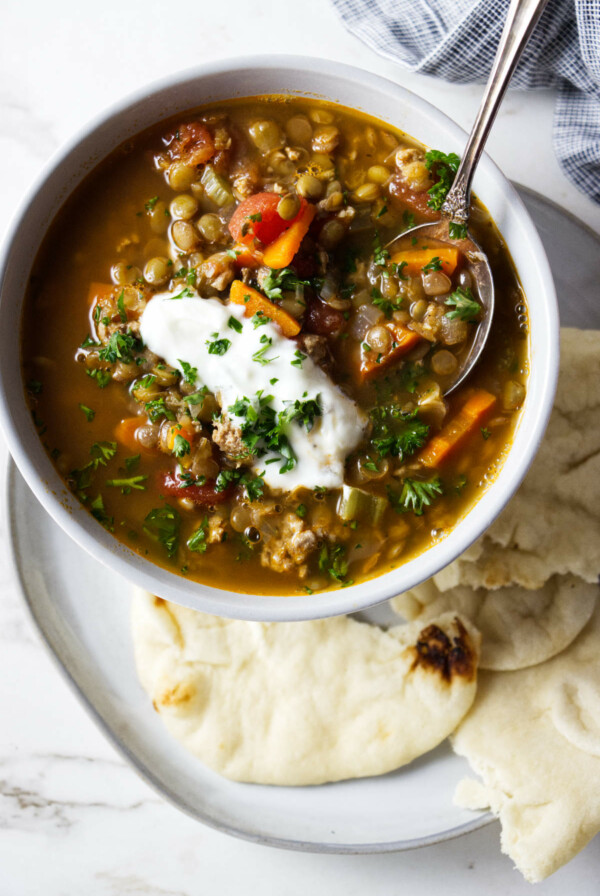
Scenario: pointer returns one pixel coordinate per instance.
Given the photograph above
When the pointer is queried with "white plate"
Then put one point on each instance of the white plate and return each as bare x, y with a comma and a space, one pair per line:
81, 609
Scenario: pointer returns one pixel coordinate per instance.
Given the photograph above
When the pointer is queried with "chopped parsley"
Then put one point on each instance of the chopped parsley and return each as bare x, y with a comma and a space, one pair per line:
301, 511
388, 306
145, 382
88, 342
409, 376
131, 463
151, 203
299, 357
260, 319
485, 433
465, 306
163, 524
397, 433
185, 293
444, 167
254, 485
102, 377
332, 560
259, 354
434, 265
380, 254
408, 220
121, 307
415, 495
197, 540
234, 324
276, 282
262, 431
126, 485
181, 446
190, 374
303, 412
101, 453
99, 513
217, 346
457, 231
89, 413
197, 397
120, 347
156, 409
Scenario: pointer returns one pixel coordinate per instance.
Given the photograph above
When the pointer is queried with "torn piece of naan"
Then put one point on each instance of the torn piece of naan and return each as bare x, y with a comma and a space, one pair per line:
303, 702
533, 736
552, 524
518, 627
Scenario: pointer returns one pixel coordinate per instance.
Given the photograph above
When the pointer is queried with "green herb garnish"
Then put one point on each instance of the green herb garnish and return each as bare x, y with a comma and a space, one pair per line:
89, 413
163, 524
465, 306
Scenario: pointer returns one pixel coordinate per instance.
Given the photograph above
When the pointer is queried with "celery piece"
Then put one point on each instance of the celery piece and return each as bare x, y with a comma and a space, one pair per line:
216, 187
356, 504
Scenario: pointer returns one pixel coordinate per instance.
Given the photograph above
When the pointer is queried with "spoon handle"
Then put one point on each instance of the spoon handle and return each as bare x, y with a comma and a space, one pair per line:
521, 19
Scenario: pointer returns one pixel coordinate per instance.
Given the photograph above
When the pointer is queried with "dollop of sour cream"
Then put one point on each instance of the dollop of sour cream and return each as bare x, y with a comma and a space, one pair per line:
256, 362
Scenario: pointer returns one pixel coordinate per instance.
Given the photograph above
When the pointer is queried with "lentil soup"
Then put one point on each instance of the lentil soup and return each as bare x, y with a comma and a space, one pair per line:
236, 377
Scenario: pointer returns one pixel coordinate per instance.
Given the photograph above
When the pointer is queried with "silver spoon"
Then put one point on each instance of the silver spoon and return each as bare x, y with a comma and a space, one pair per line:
522, 18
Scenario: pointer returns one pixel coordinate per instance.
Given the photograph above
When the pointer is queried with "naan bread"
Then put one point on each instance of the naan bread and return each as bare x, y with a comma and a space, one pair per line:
303, 702
533, 736
518, 627
552, 525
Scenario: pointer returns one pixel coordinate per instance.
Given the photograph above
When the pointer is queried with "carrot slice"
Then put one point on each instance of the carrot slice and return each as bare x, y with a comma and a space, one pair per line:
99, 291
414, 260
403, 340
281, 251
125, 433
254, 302
179, 429
455, 433
247, 256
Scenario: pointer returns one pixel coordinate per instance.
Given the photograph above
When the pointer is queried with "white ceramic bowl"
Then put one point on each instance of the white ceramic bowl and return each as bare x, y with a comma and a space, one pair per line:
252, 76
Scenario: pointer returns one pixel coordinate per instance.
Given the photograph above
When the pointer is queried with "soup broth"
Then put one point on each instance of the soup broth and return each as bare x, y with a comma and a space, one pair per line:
237, 378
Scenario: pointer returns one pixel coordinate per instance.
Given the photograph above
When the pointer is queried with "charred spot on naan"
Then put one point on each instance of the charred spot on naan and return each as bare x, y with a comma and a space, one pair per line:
452, 656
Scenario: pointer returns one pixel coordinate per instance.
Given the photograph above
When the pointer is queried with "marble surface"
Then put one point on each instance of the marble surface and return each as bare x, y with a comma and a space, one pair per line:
73, 816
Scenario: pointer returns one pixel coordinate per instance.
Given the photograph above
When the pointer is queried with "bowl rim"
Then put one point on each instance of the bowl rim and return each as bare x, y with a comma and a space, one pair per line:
44, 480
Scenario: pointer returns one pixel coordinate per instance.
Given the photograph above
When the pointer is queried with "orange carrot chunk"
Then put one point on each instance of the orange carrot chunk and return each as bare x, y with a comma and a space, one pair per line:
456, 432
179, 429
403, 340
125, 433
99, 291
281, 251
412, 261
247, 256
255, 303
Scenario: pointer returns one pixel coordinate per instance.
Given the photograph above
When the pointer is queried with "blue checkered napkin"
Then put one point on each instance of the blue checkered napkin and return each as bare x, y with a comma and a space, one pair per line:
456, 40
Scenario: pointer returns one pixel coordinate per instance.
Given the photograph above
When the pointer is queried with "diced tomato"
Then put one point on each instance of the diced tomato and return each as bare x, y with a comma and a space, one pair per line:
322, 319
416, 202
192, 144
173, 485
256, 218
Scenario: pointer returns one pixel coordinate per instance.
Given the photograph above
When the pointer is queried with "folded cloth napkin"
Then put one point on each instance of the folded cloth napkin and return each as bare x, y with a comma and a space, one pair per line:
457, 39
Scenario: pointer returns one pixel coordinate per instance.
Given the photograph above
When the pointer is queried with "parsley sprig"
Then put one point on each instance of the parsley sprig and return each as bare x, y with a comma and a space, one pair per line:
162, 524
397, 433
416, 494
443, 166
276, 282
465, 306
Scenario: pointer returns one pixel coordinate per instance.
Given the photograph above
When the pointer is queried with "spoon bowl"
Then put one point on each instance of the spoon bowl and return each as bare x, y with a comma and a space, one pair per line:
521, 19
483, 288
